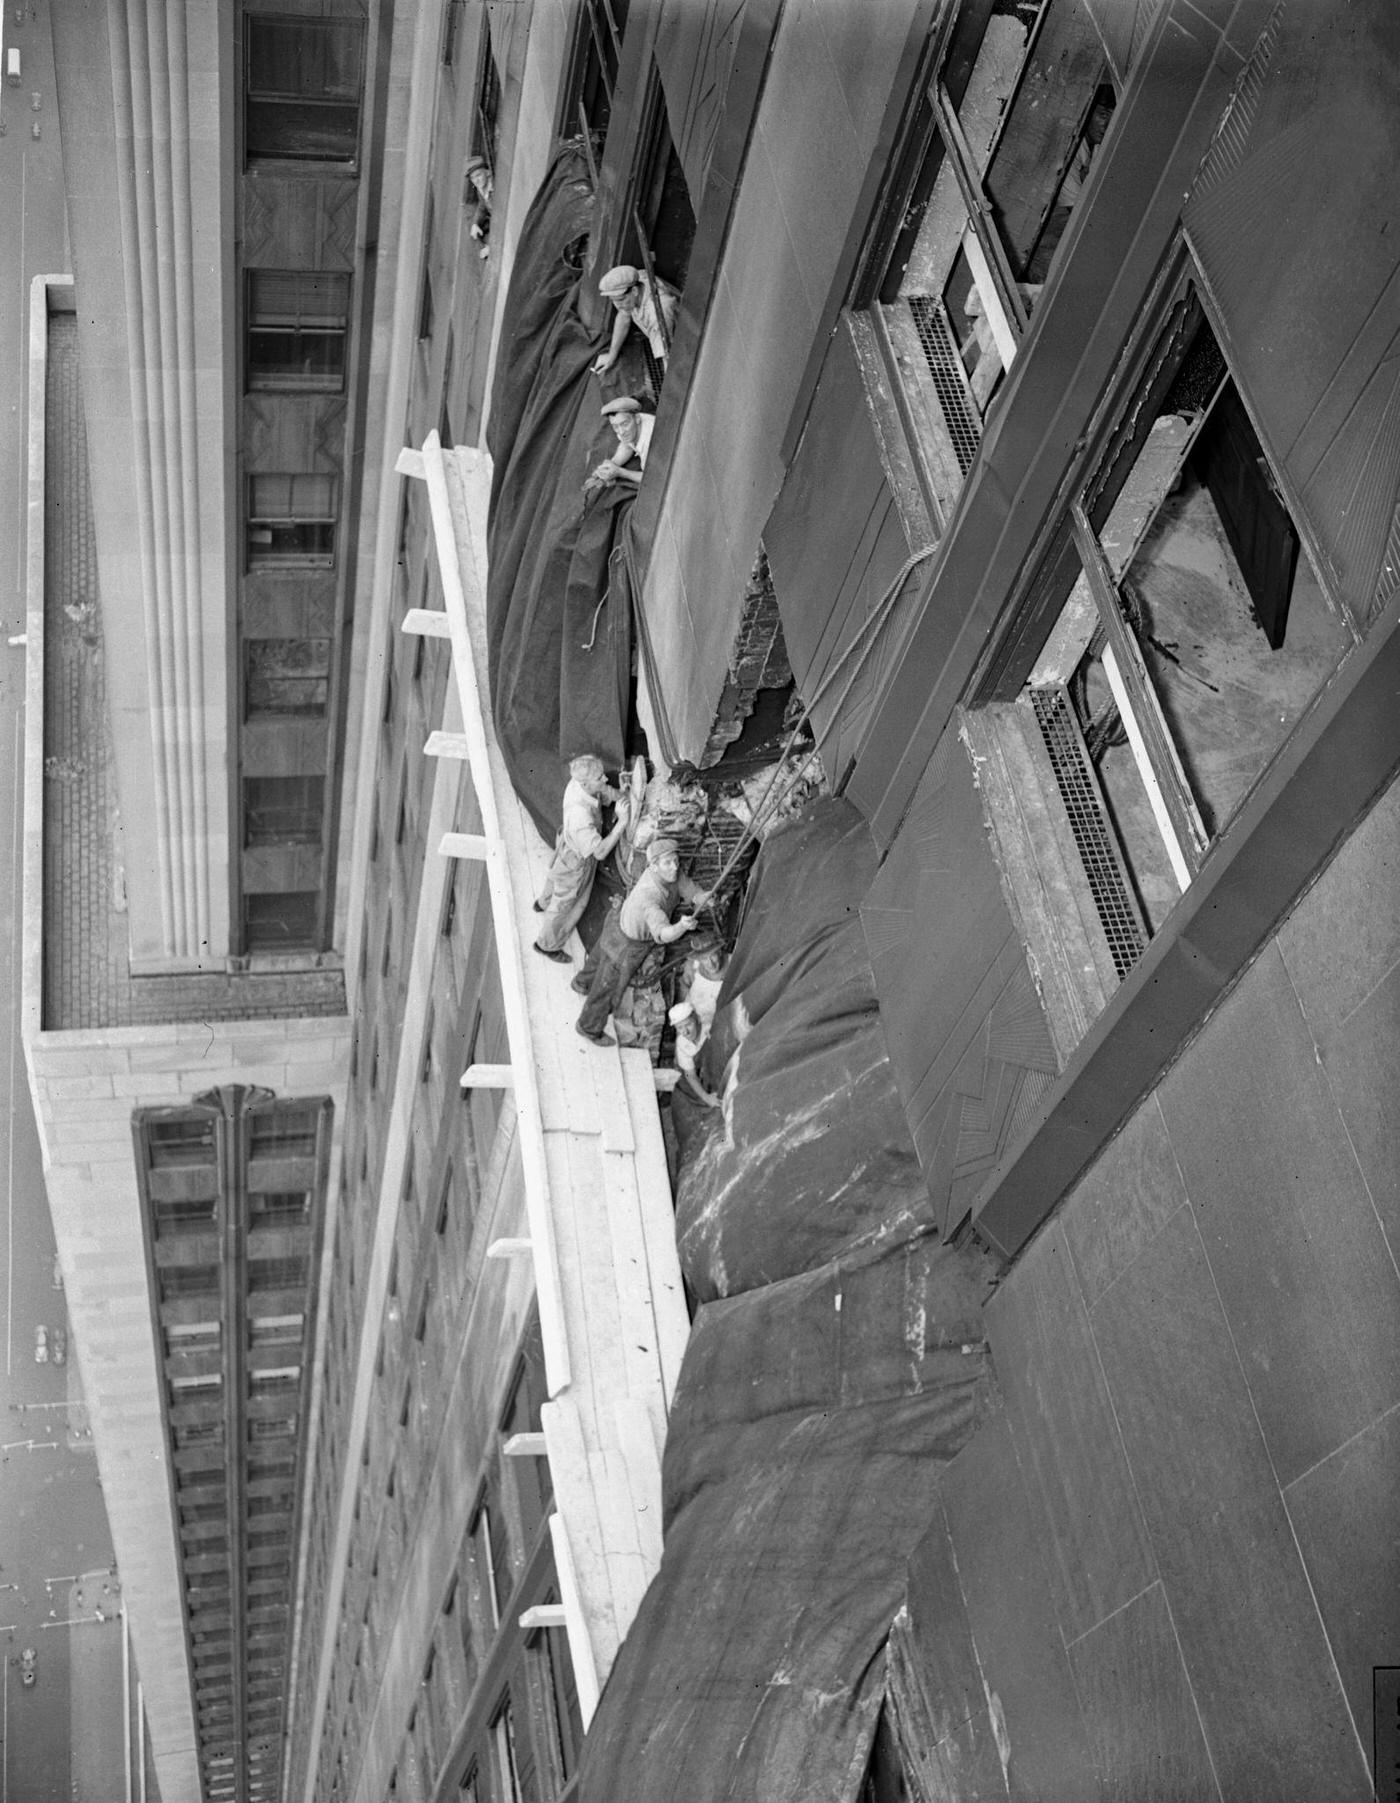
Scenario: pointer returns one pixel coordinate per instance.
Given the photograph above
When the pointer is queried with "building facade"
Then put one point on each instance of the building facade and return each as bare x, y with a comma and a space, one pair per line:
1025, 429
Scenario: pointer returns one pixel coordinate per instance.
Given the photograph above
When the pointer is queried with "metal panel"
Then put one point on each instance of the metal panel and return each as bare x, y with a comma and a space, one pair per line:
1287, 217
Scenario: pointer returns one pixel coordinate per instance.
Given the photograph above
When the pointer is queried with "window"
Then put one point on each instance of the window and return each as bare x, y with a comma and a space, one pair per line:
291, 521
296, 329
283, 810
425, 298
563, 1691
448, 437
663, 218
186, 1139
491, 1557
592, 80
303, 89
515, 1760
486, 113
1007, 119
1169, 641
282, 920
285, 677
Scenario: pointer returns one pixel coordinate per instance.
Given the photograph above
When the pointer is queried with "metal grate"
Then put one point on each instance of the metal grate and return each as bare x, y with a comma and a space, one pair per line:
949, 377
1094, 837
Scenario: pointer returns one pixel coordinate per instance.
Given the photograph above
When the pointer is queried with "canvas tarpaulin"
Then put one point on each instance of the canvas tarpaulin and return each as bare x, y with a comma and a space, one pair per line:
560, 646
837, 1363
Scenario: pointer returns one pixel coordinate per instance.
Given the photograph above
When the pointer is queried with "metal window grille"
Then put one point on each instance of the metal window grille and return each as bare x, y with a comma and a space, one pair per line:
949, 377
1094, 835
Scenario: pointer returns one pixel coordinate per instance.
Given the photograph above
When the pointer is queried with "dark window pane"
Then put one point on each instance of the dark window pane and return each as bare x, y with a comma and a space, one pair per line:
283, 810
303, 89
296, 329
280, 921
286, 676
291, 519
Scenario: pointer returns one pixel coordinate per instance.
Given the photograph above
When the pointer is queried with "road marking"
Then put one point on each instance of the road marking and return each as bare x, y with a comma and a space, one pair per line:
10, 1172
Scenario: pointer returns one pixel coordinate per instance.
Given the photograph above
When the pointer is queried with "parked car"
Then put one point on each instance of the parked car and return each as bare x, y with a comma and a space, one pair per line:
28, 1667
58, 1345
41, 1345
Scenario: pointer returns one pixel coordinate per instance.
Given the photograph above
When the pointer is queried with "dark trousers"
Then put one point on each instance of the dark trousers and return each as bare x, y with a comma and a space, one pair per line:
610, 967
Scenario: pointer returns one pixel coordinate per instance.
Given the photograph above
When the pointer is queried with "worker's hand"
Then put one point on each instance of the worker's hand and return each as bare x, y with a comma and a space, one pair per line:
687, 923
604, 363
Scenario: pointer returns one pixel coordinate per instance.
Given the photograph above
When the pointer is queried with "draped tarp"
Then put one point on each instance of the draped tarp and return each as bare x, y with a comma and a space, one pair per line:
559, 651
813, 1154
840, 1364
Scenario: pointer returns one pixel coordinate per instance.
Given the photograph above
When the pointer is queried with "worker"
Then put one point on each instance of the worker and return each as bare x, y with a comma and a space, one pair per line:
633, 426
642, 301
477, 188
706, 981
644, 920
690, 1036
577, 849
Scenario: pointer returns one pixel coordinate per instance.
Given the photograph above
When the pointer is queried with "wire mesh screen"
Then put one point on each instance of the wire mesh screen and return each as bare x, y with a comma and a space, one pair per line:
949, 378
1094, 836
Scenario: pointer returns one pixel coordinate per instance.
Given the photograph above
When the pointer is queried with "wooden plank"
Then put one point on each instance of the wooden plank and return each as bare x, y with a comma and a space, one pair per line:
629, 1568
1254, 1649
575, 1059
464, 845
552, 1058
1012, 1619
658, 1220
590, 1290
488, 1076
1137, 1701
636, 1439
614, 1113
429, 622
1304, 1274
1071, 1456
577, 1486
640, 1355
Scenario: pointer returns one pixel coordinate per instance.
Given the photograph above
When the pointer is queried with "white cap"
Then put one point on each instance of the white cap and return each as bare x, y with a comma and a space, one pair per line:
679, 1013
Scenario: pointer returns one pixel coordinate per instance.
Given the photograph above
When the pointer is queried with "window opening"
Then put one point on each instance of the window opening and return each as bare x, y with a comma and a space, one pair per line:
592, 79
1007, 122
285, 677
296, 330
303, 89
281, 920
486, 115
1186, 638
283, 810
291, 521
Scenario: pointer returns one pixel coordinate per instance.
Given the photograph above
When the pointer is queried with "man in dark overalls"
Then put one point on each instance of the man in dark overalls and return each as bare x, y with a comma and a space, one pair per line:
643, 921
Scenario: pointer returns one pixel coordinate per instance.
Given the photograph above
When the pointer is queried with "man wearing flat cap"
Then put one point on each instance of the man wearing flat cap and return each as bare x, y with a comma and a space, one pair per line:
643, 921
642, 301
633, 426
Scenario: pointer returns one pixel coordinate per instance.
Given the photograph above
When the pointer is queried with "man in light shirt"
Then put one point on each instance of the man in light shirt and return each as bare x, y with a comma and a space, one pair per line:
577, 850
